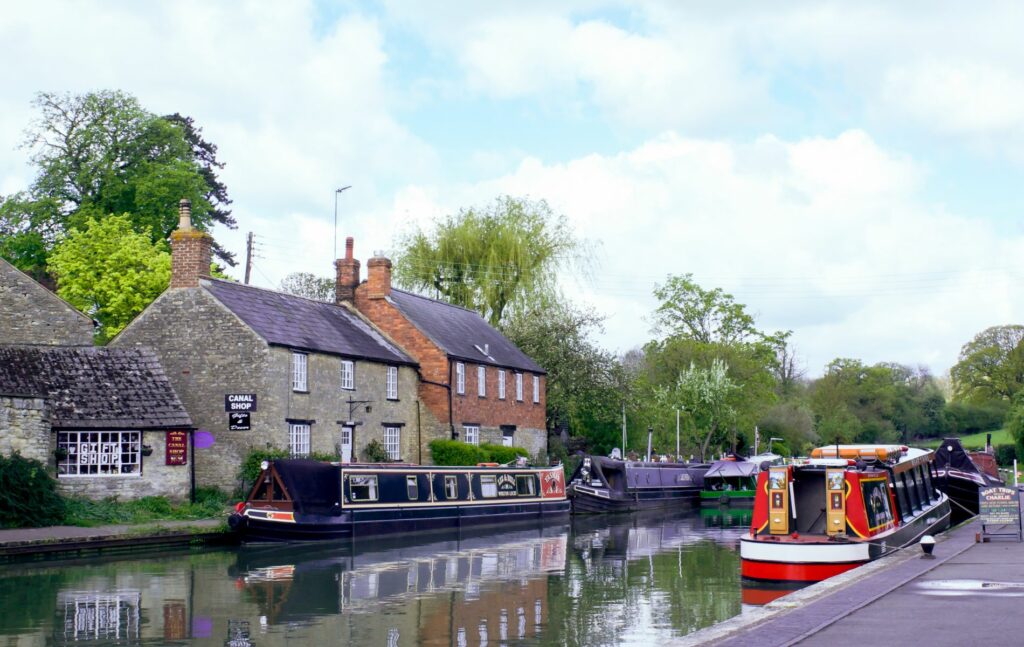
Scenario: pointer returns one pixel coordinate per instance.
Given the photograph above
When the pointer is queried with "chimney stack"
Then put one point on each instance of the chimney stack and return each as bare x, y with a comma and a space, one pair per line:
347, 275
378, 277
190, 250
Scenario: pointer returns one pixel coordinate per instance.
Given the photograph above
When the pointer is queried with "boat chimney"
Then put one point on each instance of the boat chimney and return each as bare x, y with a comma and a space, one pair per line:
650, 432
988, 443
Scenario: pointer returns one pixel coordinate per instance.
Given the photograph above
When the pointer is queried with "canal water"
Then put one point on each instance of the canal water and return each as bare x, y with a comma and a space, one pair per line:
622, 580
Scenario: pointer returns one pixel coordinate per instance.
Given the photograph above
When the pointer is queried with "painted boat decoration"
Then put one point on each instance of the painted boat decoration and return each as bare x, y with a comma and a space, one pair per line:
961, 474
733, 480
299, 499
602, 485
846, 506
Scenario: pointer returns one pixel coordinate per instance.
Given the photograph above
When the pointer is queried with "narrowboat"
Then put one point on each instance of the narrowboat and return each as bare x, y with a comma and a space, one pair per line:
602, 484
732, 480
961, 474
297, 499
845, 506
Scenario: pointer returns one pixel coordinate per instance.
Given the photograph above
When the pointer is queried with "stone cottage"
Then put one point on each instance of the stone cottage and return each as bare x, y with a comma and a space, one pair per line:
475, 384
257, 368
31, 314
105, 420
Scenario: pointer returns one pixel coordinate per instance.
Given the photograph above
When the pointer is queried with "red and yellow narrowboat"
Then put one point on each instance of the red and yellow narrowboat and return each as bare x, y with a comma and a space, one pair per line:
845, 506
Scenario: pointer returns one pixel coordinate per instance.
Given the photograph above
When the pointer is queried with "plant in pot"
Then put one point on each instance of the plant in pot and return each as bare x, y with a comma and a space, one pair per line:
61, 453
147, 450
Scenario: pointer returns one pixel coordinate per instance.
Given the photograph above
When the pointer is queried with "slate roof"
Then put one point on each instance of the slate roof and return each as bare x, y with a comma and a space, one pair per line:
462, 333
296, 322
94, 388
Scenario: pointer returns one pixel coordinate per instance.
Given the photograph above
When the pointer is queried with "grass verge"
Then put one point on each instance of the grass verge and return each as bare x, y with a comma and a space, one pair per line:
210, 503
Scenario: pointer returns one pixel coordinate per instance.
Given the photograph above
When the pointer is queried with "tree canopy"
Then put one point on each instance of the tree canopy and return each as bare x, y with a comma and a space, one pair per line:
490, 259
311, 286
991, 366
110, 271
102, 153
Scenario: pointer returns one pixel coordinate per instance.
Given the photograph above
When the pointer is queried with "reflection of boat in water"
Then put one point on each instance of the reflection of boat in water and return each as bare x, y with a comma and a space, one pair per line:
293, 582
726, 516
838, 511
304, 499
761, 593
602, 484
644, 534
961, 474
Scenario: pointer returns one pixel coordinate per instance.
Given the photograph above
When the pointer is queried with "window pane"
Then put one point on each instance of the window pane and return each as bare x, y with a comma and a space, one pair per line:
412, 488
363, 488
471, 434
481, 381
298, 440
451, 487
103, 453
536, 389
347, 375
524, 485
519, 387
298, 371
460, 378
488, 486
392, 383
501, 385
392, 437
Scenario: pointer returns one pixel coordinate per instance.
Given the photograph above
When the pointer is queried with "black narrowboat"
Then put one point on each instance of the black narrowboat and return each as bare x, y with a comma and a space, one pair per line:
297, 499
602, 485
961, 474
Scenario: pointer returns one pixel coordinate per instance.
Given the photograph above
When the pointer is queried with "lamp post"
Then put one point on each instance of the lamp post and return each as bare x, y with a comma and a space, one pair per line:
336, 192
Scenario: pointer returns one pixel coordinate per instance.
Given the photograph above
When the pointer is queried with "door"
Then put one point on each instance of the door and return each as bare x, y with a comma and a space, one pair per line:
508, 433
346, 444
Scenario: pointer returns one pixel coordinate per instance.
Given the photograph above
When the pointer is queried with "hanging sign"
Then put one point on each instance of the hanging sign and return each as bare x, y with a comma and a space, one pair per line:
240, 402
176, 448
239, 421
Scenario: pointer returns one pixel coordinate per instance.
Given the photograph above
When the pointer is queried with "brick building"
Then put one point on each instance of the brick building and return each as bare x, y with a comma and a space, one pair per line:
475, 384
313, 376
31, 314
105, 420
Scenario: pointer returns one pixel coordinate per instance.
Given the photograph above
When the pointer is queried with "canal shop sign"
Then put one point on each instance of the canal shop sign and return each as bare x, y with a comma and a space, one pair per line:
1000, 506
176, 448
239, 402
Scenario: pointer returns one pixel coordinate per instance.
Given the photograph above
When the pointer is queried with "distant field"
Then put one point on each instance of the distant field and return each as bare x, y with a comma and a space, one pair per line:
975, 441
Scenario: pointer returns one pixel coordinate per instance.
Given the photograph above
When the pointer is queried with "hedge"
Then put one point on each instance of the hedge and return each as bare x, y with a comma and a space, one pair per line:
1005, 454
28, 494
453, 452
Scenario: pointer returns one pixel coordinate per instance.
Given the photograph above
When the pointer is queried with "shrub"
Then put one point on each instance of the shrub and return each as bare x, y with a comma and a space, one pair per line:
375, 452
501, 454
28, 494
250, 468
454, 452
1005, 454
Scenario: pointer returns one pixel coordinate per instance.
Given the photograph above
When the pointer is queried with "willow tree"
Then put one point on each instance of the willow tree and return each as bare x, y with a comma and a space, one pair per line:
490, 259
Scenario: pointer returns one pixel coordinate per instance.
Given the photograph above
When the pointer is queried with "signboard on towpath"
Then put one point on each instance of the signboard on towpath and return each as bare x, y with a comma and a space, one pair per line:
1000, 506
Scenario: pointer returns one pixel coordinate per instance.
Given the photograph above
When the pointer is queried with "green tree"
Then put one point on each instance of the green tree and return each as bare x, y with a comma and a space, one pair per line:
101, 153
793, 422
490, 259
308, 285
706, 316
584, 382
1015, 423
991, 366
705, 394
110, 271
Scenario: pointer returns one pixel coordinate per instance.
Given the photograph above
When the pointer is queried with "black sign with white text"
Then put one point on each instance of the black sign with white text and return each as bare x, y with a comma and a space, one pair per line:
240, 402
239, 421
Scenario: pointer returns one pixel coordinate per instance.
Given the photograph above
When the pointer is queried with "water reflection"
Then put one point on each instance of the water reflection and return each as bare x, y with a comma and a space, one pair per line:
601, 580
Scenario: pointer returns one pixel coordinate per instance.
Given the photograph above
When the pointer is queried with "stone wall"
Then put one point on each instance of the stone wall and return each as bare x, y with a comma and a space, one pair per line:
207, 352
31, 314
25, 428
155, 479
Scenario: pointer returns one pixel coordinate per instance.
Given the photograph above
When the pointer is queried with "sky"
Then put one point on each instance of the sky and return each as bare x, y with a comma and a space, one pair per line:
848, 171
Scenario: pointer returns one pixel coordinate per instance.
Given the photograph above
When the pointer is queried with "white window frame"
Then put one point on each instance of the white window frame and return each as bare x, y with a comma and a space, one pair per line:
451, 487
393, 442
299, 439
488, 486
348, 375
536, 389
300, 374
368, 481
460, 378
100, 454
392, 383
501, 384
471, 434
519, 387
481, 381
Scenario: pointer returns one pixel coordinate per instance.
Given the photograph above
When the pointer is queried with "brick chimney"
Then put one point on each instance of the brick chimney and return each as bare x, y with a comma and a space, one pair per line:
378, 277
190, 250
347, 276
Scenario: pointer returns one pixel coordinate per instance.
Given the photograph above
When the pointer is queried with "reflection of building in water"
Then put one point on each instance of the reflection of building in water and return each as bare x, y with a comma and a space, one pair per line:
503, 612
98, 617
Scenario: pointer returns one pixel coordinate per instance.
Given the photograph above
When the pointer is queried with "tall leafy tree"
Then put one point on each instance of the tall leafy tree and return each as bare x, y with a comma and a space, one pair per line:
101, 153
110, 271
705, 393
489, 259
991, 366
308, 285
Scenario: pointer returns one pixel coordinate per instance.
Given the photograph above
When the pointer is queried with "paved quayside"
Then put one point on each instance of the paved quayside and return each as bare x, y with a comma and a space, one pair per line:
970, 594
53, 540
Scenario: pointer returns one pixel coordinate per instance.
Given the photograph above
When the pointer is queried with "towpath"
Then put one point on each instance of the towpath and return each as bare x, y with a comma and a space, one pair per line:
970, 594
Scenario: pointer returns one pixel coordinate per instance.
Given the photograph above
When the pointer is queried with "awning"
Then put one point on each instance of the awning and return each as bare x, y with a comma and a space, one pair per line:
731, 469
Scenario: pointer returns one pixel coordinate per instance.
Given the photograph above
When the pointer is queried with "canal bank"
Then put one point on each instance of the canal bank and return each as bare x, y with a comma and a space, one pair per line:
968, 594
68, 541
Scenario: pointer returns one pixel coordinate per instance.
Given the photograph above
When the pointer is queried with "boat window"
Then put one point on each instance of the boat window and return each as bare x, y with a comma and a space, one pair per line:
927, 471
901, 497
451, 487
279, 491
488, 486
412, 487
362, 488
524, 485
908, 479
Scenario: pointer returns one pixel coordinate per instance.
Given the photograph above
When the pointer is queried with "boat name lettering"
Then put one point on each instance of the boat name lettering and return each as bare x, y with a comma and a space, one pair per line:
506, 485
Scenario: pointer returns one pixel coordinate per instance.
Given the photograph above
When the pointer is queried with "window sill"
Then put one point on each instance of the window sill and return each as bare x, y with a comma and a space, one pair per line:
393, 400
300, 391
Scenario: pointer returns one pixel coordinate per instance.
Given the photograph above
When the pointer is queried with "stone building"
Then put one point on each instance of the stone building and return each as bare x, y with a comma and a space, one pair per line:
105, 420
475, 384
261, 369
31, 314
